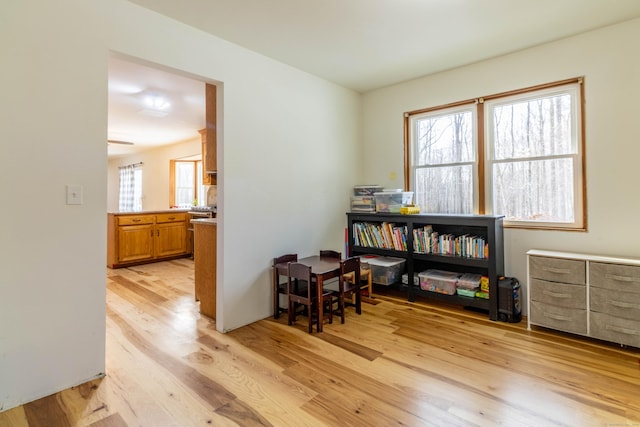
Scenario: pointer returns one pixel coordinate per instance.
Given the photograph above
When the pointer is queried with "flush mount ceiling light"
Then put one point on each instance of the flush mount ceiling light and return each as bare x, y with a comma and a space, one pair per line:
156, 105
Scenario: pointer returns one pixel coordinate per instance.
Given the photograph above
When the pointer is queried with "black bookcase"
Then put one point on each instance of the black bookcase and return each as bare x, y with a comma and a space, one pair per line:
489, 227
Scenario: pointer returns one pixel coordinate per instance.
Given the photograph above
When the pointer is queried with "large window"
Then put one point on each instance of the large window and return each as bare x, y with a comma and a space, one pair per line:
130, 195
186, 183
518, 154
445, 160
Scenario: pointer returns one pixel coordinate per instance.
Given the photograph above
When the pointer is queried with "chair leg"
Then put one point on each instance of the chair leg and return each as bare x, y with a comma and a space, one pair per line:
358, 302
341, 308
291, 312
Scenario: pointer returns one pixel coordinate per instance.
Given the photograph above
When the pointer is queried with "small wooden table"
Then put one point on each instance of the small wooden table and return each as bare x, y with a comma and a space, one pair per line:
322, 269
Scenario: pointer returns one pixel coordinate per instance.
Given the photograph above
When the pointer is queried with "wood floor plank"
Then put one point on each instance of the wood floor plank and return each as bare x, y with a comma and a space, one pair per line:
398, 363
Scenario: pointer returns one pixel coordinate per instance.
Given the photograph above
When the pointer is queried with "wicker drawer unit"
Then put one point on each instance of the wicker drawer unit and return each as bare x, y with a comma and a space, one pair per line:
615, 302
588, 295
557, 270
558, 294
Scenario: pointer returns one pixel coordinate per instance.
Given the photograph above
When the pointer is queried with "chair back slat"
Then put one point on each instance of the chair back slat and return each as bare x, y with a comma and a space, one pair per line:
351, 265
330, 254
283, 259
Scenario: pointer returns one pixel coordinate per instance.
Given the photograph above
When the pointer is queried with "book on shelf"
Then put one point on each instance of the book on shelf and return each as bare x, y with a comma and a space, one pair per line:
428, 241
380, 235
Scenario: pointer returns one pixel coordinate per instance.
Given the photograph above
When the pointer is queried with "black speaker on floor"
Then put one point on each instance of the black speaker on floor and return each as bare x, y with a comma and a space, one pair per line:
509, 300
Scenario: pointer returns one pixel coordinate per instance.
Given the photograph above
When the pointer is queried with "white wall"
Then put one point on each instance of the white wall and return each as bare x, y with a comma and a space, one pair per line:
287, 157
612, 84
155, 173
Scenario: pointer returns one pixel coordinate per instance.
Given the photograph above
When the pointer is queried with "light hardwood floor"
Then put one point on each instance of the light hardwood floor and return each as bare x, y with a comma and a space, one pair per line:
397, 364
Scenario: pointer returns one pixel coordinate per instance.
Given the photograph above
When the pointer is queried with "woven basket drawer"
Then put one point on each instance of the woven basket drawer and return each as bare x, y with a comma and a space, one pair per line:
616, 277
559, 294
561, 318
615, 329
625, 305
557, 270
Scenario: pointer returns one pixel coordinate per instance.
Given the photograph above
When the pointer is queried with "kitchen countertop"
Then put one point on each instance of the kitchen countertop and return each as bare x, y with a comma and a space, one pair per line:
150, 212
205, 221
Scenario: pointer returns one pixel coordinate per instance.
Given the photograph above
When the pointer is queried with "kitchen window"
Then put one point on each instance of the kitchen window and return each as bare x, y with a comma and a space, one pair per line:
130, 195
186, 188
518, 154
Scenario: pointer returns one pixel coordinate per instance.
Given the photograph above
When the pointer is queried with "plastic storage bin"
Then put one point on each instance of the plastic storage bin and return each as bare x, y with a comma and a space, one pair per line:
386, 270
363, 204
442, 282
392, 201
366, 190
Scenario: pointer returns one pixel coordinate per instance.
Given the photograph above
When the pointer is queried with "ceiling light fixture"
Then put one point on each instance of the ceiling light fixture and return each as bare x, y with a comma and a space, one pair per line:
157, 102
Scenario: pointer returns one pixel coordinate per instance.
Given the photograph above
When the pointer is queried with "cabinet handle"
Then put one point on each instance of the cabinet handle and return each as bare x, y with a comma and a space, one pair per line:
171, 218
556, 270
158, 233
151, 233
623, 304
622, 330
622, 278
555, 294
136, 220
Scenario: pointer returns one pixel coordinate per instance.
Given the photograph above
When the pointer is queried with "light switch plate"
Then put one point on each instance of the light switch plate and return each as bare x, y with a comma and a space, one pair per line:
74, 194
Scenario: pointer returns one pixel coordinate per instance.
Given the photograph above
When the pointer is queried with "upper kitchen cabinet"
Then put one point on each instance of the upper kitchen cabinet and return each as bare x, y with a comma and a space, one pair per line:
209, 138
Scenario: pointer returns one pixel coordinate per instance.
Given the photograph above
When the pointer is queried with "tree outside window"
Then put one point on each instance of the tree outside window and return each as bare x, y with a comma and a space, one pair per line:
519, 155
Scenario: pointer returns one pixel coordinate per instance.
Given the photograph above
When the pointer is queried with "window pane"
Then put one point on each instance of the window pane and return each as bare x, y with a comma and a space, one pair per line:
443, 139
445, 189
202, 190
137, 189
185, 192
535, 127
539, 190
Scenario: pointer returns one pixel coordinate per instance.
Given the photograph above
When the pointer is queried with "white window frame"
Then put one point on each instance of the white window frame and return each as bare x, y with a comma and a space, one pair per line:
576, 156
414, 121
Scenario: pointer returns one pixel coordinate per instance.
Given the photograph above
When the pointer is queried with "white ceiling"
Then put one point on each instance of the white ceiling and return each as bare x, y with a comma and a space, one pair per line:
366, 44
132, 120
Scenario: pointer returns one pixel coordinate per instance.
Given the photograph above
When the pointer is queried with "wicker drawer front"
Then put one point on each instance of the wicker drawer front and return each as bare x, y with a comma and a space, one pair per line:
135, 219
617, 277
625, 305
561, 318
557, 270
615, 329
558, 294
171, 217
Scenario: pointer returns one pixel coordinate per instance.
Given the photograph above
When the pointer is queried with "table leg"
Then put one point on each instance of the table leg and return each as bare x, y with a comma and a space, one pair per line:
276, 295
320, 303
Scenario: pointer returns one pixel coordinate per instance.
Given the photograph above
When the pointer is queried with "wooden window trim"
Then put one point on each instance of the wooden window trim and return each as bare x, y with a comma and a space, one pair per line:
482, 144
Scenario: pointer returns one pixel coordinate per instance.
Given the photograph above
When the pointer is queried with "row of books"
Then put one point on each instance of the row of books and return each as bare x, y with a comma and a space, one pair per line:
383, 235
428, 241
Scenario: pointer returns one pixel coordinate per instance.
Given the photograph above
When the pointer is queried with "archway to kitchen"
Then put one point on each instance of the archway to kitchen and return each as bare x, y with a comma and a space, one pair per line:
163, 120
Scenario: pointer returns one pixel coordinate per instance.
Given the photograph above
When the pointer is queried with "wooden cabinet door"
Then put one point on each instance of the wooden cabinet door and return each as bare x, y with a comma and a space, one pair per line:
171, 239
135, 242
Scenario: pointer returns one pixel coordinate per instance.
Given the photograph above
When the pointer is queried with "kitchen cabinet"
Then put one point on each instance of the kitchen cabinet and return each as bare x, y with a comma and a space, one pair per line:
171, 235
209, 138
146, 237
204, 259
209, 173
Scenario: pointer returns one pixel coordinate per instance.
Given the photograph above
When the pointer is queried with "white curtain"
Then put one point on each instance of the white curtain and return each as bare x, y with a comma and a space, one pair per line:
130, 188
